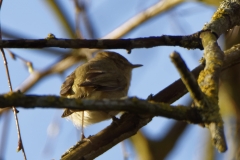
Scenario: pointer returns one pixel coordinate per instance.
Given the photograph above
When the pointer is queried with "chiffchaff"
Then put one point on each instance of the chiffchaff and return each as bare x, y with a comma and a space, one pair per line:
106, 76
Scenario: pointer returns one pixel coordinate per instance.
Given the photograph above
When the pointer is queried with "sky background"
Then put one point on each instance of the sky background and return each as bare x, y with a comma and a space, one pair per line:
45, 134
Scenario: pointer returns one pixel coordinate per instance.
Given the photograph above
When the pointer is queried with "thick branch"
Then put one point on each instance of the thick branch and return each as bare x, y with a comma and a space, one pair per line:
191, 41
225, 18
209, 82
134, 105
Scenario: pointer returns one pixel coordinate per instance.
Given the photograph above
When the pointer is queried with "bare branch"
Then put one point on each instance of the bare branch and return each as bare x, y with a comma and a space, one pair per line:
20, 143
225, 18
132, 23
192, 41
134, 105
62, 16
187, 78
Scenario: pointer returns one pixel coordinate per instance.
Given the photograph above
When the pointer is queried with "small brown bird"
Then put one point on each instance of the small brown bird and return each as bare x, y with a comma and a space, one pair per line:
107, 75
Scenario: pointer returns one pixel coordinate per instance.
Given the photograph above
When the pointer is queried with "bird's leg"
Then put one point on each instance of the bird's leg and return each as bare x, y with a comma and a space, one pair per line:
82, 132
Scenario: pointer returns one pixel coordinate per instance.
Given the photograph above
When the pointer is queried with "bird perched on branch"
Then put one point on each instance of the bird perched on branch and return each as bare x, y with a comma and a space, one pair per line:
106, 76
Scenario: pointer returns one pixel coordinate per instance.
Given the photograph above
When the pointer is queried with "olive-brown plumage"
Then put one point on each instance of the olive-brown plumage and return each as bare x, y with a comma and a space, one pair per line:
107, 75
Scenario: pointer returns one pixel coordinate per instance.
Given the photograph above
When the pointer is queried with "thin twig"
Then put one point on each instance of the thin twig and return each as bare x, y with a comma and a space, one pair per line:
26, 62
78, 10
140, 18
61, 14
187, 78
20, 144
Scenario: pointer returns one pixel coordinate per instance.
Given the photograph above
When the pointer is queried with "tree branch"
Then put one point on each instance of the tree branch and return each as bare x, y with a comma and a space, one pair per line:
191, 42
209, 83
133, 105
140, 18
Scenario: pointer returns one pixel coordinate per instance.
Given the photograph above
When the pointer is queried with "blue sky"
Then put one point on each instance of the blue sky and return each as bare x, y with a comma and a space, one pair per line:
34, 19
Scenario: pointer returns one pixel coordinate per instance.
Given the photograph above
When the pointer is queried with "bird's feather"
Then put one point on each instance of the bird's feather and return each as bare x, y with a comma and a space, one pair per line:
66, 87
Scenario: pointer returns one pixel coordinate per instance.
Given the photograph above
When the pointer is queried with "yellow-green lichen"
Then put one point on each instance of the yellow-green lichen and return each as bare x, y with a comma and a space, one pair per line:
219, 14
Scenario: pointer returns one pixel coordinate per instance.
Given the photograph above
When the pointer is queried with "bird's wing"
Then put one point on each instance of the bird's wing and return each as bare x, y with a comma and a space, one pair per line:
66, 88
98, 78
104, 79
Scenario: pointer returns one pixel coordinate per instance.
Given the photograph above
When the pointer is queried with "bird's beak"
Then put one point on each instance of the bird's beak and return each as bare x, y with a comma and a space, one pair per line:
136, 65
